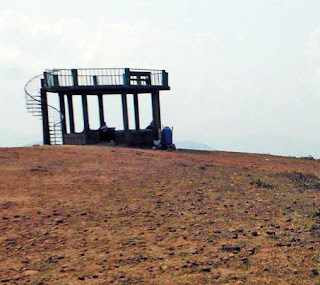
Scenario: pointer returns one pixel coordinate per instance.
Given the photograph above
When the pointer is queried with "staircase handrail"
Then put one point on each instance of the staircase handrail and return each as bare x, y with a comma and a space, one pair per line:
37, 100
27, 93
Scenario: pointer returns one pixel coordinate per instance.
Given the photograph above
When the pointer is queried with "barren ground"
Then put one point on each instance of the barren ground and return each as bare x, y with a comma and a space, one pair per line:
99, 215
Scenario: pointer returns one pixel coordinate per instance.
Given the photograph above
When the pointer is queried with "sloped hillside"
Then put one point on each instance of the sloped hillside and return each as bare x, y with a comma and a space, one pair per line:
99, 215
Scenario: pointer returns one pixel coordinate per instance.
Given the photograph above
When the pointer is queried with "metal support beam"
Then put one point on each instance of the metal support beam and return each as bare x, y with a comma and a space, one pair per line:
136, 111
63, 112
45, 115
71, 113
125, 112
101, 109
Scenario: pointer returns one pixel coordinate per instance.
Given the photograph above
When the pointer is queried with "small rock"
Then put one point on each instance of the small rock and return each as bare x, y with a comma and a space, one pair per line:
184, 266
271, 233
245, 260
59, 221
229, 248
206, 269
314, 272
252, 250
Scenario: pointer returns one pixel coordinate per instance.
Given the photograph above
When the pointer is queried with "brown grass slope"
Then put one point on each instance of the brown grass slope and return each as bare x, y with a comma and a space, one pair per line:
94, 215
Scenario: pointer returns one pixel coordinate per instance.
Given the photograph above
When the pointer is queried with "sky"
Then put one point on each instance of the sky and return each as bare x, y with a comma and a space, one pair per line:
244, 74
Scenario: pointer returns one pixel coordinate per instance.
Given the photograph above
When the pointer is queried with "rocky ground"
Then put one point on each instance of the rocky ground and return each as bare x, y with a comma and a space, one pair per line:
99, 215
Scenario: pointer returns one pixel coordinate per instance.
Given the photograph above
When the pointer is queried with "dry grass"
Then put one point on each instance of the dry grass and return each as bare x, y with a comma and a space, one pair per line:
93, 215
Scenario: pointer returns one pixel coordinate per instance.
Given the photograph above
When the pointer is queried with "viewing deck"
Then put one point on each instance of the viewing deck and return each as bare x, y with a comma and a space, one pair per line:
59, 123
91, 81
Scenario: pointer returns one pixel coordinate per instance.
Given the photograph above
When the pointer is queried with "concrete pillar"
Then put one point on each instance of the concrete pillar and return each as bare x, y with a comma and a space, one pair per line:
63, 113
101, 109
45, 115
85, 113
156, 112
125, 112
136, 111
71, 113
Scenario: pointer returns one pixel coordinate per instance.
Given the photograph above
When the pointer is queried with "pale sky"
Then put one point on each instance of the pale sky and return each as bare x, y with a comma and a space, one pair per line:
244, 75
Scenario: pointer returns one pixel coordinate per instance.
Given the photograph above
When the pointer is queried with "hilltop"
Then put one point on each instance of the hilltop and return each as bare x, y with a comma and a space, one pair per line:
100, 215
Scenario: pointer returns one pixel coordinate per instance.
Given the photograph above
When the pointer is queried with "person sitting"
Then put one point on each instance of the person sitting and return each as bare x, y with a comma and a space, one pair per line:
103, 130
103, 126
106, 133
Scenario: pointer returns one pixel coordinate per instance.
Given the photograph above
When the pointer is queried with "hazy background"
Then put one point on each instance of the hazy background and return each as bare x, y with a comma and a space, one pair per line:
245, 75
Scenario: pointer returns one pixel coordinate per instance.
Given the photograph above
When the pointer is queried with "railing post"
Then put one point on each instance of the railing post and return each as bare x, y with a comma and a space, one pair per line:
148, 80
165, 78
126, 76
45, 79
55, 80
74, 77
95, 80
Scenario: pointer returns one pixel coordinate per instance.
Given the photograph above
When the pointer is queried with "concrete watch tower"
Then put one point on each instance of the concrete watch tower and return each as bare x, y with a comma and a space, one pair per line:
98, 82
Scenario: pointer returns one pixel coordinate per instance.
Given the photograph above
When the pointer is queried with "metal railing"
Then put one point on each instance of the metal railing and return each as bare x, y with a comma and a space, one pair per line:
105, 77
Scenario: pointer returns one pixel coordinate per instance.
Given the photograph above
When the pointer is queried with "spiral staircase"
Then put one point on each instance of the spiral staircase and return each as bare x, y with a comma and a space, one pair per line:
33, 105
